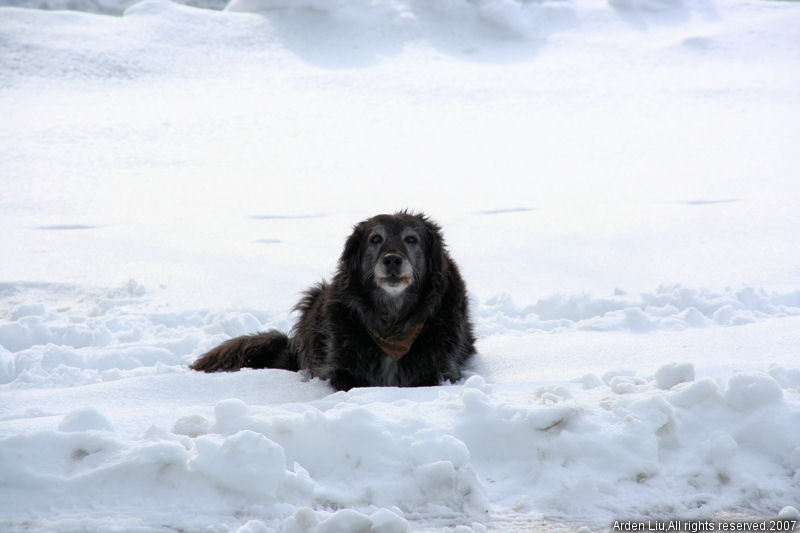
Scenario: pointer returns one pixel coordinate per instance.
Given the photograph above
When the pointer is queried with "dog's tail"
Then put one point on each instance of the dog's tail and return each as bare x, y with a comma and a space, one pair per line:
271, 349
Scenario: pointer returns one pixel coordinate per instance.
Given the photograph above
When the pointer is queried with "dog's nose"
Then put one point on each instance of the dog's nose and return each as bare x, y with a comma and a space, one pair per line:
392, 260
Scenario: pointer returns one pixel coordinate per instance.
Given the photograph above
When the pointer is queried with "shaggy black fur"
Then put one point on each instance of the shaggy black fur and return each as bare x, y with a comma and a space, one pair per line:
393, 276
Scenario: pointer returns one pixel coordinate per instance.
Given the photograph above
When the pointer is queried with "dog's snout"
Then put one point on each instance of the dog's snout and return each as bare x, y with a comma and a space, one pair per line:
392, 260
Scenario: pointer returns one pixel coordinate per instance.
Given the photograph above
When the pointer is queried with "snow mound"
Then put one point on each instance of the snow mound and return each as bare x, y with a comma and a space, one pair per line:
516, 17
337, 17
74, 339
671, 374
85, 420
671, 308
386, 521
748, 391
345, 520
105, 7
382, 459
244, 461
441, 455
77, 339
694, 393
788, 513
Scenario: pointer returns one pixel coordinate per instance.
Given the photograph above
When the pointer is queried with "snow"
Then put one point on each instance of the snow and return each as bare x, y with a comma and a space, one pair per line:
671, 374
616, 180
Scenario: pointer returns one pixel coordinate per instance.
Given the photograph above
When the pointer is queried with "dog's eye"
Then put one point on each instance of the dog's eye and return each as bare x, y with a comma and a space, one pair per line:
410, 239
376, 239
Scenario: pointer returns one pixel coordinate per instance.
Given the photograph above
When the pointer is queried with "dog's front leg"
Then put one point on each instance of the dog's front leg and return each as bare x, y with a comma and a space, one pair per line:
342, 379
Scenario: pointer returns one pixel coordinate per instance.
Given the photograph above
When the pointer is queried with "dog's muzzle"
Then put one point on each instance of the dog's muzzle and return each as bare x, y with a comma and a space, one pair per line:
393, 272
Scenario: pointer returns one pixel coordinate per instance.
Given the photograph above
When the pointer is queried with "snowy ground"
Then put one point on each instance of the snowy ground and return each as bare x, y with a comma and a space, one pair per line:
617, 180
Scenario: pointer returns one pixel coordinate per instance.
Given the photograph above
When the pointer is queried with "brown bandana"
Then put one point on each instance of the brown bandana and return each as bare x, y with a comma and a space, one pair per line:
398, 345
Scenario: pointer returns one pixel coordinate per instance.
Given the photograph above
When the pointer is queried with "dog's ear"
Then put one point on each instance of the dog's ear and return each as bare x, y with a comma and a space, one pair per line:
350, 259
438, 262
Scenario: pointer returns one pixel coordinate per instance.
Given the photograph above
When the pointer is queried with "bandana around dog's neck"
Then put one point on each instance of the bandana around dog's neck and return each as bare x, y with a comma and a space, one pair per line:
396, 346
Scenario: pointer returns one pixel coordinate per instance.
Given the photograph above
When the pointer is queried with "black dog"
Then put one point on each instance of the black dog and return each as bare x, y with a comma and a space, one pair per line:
395, 314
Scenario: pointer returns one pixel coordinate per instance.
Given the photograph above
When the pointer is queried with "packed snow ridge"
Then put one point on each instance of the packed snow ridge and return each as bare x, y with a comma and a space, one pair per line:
513, 14
371, 460
668, 308
518, 18
107, 336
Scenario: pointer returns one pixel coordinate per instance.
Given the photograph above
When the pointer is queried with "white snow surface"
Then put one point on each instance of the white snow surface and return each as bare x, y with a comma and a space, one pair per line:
618, 182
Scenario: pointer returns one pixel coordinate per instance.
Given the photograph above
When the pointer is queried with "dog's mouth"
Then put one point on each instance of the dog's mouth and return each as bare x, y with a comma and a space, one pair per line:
394, 281
394, 285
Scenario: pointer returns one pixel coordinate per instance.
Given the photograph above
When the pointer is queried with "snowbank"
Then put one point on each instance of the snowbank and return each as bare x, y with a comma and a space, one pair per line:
371, 22
513, 15
118, 334
296, 457
106, 7
668, 308
445, 455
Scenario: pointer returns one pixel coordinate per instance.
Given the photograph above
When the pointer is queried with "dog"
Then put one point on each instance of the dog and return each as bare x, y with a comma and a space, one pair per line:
395, 314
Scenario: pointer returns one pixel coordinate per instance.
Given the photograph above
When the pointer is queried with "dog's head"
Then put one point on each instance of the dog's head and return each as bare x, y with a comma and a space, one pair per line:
394, 254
